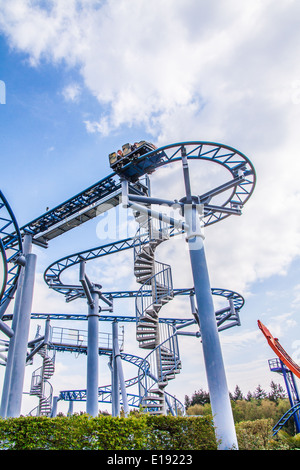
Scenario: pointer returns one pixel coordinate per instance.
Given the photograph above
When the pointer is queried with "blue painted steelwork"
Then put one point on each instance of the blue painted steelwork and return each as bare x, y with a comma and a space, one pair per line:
241, 170
52, 277
11, 251
276, 365
105, 391
285, 418
3, 270
87, 204
94, 200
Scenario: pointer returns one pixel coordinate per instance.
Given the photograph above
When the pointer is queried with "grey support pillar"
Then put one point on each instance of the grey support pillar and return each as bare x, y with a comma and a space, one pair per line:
118, 364
215, 371
93, 356
70, 408
115, 391
54, 407
15, 371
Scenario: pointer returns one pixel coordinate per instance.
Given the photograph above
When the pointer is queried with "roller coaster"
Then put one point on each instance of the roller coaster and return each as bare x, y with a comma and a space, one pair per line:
285, 366
128, 186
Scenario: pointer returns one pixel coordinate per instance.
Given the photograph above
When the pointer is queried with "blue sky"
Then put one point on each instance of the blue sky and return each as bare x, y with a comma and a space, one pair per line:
80, 82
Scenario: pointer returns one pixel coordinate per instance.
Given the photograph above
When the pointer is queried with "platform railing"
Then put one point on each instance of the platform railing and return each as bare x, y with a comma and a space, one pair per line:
79, 338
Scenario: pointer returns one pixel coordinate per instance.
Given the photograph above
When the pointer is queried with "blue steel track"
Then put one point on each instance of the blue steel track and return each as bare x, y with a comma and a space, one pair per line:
11, 250
91, 202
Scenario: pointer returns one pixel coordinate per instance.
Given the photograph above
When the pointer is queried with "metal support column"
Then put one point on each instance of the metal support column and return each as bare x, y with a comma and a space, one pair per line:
215, 371
15, 370
93, 356
115, 394
292, 392
54, 407
70, 408
117, 363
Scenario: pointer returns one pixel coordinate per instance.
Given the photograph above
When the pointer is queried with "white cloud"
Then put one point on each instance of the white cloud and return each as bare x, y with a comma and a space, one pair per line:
192, 70
72, 92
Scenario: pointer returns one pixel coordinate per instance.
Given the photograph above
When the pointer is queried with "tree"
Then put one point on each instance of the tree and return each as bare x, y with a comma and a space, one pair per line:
187, 401
199, 397
277, 392
259, 393
237, 395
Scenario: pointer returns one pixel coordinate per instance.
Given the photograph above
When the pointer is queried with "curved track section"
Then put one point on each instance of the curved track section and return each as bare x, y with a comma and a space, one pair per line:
237, 189
155, 278
279, 351
89, 203
10, 251
163, 362
105, 391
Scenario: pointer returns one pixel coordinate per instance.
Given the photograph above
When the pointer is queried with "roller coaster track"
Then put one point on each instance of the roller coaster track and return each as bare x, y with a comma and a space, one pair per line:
157, 284
279, 350
285, 418
104, 392
292, 368
10, 252
106, 193
154, 292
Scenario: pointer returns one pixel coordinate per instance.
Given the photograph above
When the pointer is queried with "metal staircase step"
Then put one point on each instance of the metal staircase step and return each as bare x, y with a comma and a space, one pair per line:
152, 311
147, 317
146, 337
147, 323
142, 279
147, 345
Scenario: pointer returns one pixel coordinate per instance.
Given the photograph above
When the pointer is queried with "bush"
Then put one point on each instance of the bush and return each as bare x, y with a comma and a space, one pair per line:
82, 432
181, 433
257, 435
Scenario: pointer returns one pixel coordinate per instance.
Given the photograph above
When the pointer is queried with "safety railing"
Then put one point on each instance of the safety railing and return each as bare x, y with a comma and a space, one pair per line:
79, 338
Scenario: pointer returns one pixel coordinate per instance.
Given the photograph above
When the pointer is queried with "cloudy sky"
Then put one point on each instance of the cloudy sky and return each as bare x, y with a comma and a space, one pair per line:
83, 77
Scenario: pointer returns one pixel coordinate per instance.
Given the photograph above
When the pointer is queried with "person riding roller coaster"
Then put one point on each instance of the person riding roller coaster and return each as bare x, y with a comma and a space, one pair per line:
129, 152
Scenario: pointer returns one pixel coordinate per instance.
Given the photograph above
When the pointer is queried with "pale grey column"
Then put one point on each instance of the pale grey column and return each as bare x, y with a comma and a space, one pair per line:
21, 339
118, 362
71, 408
214, 366
93, 357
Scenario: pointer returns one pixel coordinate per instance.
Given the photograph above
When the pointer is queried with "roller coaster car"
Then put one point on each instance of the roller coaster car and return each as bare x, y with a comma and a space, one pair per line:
129, 152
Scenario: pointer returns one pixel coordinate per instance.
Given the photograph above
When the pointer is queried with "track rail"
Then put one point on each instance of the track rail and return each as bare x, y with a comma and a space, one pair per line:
11, 250
279, 350
92, 201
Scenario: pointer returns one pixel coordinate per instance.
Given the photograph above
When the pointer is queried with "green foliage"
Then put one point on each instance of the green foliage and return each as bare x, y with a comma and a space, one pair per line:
257, 435
244, 410
199, 410
291, 442
82, 432
199, 397
181, 433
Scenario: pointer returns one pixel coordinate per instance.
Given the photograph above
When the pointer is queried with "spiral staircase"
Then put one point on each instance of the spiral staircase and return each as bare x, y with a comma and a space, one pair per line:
161, 339
40, 386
